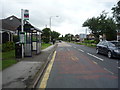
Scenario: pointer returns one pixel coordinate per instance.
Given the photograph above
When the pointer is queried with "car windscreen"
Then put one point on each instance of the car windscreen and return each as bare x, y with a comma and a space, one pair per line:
115, 44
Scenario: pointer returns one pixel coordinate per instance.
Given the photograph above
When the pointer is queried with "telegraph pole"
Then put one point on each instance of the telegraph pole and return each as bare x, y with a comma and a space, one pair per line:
22, 25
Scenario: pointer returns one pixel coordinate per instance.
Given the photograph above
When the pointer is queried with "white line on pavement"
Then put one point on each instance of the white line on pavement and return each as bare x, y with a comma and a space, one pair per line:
95, 56
108, 71
80, 50
118, 67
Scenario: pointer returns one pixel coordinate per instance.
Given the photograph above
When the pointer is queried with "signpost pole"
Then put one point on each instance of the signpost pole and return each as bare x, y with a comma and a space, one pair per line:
22, 24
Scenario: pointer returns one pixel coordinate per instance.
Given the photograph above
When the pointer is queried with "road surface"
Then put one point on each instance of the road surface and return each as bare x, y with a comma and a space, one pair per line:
78, 66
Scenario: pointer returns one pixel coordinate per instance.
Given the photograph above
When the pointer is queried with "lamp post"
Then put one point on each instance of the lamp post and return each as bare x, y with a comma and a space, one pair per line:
50, 23
51, 20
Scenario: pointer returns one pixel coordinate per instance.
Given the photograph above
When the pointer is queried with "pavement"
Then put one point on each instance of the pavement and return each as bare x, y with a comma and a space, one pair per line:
27, 71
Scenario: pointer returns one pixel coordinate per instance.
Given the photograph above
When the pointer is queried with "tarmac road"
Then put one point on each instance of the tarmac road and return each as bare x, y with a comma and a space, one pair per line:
76, 66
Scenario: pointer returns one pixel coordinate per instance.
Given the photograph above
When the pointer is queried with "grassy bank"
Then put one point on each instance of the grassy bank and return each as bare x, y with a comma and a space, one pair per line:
45, 45
8, 59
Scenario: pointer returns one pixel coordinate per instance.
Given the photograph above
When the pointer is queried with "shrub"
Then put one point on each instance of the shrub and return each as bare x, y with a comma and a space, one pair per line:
8, 46
15, 38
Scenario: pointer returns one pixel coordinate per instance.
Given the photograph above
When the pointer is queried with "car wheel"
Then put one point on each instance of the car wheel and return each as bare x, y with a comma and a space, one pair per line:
97, 51
109, 54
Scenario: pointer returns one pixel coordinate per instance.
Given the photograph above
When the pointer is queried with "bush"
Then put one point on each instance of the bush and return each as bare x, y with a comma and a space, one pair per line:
8, 46
15, 38
46, 40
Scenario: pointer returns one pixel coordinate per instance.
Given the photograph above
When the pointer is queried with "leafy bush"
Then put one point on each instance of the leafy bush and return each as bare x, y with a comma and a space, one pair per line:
15, 38
46, 40
8, 46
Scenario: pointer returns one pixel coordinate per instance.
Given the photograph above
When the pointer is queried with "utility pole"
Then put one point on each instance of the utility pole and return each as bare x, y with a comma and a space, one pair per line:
22, 24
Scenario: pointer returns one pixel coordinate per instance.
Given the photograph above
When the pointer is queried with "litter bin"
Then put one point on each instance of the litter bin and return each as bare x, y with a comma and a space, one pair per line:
18, 50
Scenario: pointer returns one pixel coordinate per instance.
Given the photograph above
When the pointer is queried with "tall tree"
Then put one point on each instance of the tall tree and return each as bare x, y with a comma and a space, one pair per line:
54, 35
102, 25
46, 35
116, 14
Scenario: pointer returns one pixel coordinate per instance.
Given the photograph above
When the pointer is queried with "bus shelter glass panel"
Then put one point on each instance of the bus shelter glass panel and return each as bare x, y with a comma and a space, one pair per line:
38, 42
27, 45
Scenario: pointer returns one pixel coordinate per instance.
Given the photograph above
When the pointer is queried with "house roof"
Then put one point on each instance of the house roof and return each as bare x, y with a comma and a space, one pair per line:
12, 23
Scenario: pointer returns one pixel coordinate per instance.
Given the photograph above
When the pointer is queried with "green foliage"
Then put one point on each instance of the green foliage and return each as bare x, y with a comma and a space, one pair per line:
46, 40
116, 12
46, 35
15, 38
7, 63
8, 59
54, 35
102, 25
69, 37
8, 46
45, 45
8, 55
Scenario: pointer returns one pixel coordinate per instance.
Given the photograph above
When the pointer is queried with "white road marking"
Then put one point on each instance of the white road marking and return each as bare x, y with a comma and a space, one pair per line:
118, 67
95, 56
108, 71
80, 50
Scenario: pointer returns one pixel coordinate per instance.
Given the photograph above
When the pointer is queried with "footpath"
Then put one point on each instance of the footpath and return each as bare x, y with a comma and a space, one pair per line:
27, 71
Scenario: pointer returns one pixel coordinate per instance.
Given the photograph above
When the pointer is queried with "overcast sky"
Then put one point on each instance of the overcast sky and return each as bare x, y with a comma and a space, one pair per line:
72, 13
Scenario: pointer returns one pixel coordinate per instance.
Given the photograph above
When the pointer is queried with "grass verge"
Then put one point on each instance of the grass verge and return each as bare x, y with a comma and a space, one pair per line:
45, 45
8, 59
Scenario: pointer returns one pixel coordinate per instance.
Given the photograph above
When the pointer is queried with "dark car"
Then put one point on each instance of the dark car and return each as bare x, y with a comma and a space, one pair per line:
109, 48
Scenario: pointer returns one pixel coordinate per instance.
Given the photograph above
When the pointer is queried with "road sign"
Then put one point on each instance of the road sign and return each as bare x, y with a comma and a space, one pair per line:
26, 14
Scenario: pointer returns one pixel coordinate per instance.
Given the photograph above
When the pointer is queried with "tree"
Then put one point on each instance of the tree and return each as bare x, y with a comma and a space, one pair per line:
46, 35
102, 25
69, 37
54, 35
116, 14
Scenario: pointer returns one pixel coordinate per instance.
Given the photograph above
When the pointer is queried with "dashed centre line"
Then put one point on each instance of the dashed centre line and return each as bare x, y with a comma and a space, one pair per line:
95, 56
108, 71
80, 50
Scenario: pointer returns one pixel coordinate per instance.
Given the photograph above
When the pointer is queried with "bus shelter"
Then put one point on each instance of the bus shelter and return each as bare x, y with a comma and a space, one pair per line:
32, 39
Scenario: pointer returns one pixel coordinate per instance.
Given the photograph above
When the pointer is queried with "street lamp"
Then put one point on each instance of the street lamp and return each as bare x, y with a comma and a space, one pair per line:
50, 23
51, 20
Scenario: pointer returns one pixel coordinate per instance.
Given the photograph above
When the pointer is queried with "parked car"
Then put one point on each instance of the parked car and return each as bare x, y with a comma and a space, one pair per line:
109, 48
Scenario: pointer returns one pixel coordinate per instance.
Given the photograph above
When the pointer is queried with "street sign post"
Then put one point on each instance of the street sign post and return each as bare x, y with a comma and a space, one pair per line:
24, 16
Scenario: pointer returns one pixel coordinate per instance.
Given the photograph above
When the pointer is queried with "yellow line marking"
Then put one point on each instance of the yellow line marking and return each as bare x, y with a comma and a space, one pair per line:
43, 83
95, 62
74, 58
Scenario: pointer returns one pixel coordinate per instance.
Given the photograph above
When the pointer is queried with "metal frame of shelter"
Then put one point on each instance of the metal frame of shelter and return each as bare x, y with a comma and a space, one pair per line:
32, 43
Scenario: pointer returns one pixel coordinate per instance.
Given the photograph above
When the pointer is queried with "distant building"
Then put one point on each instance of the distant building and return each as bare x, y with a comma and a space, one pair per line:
118, 35
77, 38
82, 37
90, 36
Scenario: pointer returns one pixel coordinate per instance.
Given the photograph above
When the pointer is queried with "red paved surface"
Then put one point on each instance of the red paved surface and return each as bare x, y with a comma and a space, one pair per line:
72, 62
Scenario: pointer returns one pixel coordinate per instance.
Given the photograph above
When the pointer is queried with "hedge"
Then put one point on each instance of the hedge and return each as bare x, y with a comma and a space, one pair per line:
8, 46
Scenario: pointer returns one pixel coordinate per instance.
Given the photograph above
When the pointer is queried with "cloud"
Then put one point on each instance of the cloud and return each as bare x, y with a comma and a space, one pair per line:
72, 13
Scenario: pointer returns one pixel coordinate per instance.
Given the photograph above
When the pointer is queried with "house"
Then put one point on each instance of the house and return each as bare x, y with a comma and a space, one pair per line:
77, 38
118, 35
90, 36
9, 27
12, 26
